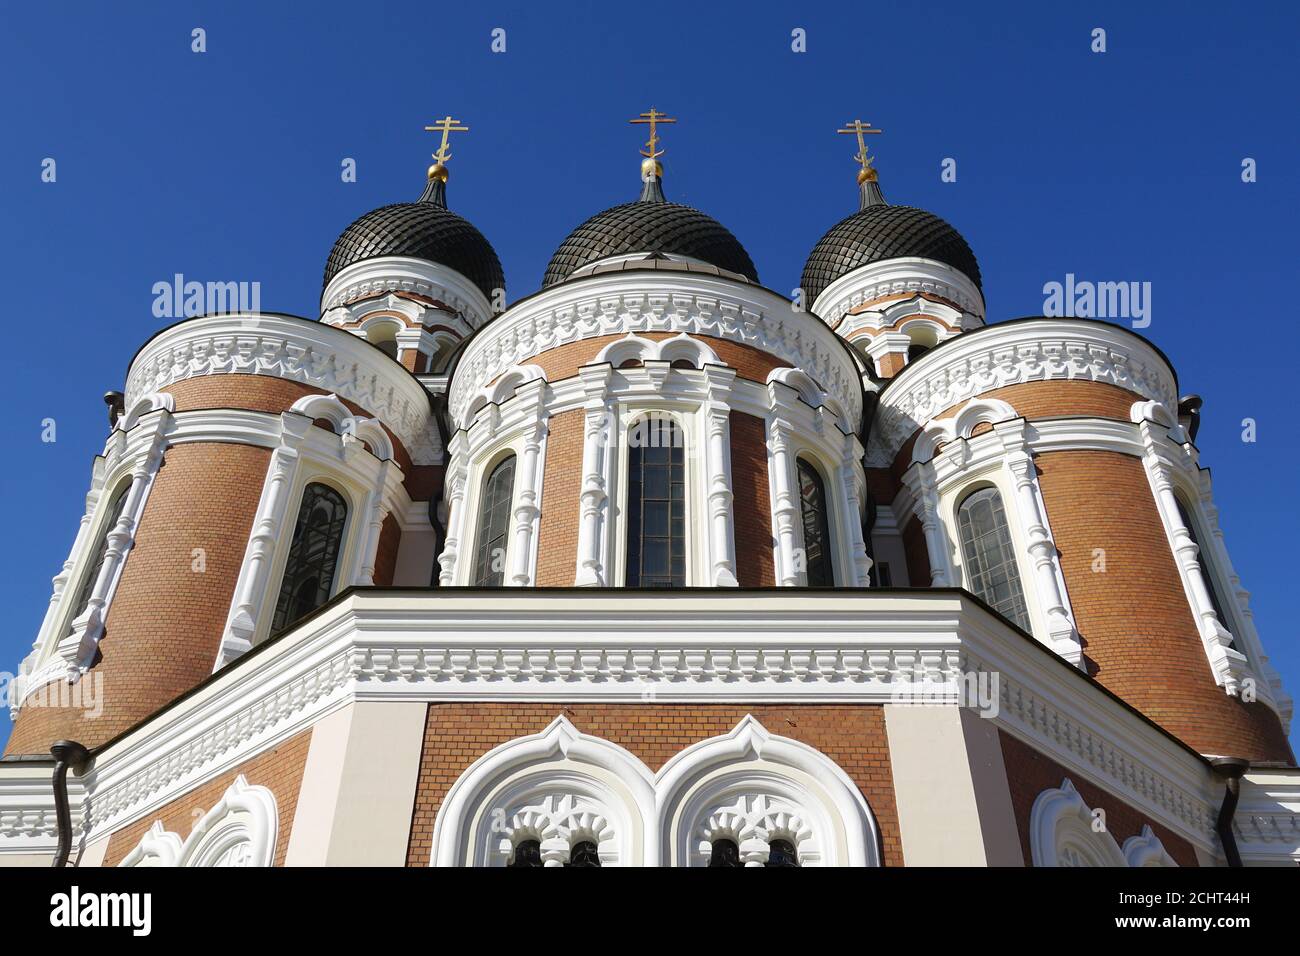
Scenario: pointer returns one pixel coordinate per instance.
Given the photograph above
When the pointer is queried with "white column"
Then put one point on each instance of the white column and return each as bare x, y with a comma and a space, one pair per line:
528, 481
268, 525
716, 413
920, 480
785, 505
597, 447
377, 509
1049, 583
78, 649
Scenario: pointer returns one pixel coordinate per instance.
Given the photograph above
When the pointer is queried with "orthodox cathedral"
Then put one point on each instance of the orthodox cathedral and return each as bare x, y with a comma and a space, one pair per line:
652, 566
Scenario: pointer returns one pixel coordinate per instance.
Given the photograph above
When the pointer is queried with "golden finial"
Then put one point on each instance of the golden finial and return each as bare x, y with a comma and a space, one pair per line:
446, 126
653, 118
866, 174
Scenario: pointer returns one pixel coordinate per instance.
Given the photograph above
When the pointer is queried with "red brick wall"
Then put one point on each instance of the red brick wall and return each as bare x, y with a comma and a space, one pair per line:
557, 534
1140, 638
279, 769
165, 622
457, 734
1030, 773
751, 502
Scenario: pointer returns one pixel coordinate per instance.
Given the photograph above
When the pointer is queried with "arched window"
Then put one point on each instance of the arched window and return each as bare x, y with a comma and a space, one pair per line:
101, 552
583, 854
528, 855
782, 853
494, 525
725, 854
990, 556
313, 555
816, 527
1207, 571
656, 505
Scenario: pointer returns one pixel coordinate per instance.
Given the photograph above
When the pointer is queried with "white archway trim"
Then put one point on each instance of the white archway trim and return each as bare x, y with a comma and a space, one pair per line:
561, 786
638, 348
158, 847
1062, 832
1146, 850
770, 787
941, 431
240, 831
552, 779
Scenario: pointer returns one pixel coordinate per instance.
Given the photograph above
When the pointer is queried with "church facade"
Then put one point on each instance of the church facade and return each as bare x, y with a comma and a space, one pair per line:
653, 566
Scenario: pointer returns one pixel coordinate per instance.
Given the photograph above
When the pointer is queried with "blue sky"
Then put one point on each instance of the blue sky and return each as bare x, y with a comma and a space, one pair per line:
226, 165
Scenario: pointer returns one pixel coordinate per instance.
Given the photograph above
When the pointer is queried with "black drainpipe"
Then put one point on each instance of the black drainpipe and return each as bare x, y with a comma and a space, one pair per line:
67, 753
1231, 770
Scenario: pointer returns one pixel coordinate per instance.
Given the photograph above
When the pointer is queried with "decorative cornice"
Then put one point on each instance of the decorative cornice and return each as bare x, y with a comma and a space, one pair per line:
297, 350
403, 274
854, 647
893, 276
1012, 353
618, 304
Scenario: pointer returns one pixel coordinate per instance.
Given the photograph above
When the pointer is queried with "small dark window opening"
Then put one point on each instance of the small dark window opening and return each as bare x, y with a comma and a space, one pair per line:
782, 853
884, 577
683, 363
494, 525
725, 853
313, 555
916, 350
584, 853
630, 363
656, 505
816, 527
528, 855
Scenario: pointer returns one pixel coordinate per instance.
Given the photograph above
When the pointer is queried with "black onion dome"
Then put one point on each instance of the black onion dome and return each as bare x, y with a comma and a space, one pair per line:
649, 225
880, 231
425, 229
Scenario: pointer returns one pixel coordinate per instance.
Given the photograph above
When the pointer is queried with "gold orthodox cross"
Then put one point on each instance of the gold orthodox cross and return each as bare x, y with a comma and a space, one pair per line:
861, 129
446, 126
654, 117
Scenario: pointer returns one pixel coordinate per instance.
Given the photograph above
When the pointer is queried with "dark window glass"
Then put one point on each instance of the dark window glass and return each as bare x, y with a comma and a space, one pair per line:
583, 854
528, 855
725, 853
97, 565
494, 525
782, 853
816, 527
915, 351
990, 557
313, 555
1207, 572
656, 505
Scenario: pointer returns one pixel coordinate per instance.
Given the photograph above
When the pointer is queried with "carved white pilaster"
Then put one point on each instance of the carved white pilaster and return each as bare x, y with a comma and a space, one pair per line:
1048, 579
527, 512
717, 457
154, 414
920, 481
597, 454
1155, 424
785, 503
268, 526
